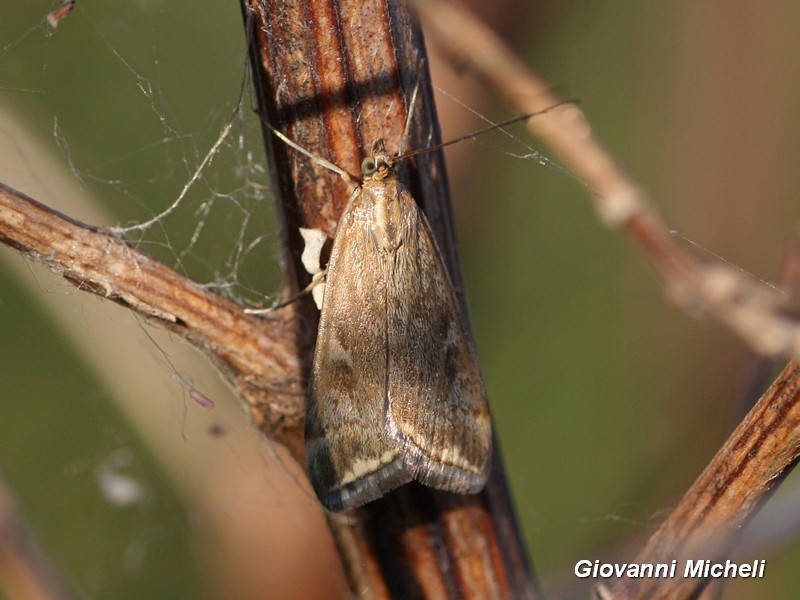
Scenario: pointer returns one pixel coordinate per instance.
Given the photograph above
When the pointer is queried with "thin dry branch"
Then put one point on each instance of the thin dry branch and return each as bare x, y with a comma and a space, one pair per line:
789, 277
763, 368
256, 355
707, 522
755, 313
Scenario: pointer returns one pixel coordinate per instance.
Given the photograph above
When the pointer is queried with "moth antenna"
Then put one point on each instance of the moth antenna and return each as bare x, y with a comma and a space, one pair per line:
348, 179
491, 127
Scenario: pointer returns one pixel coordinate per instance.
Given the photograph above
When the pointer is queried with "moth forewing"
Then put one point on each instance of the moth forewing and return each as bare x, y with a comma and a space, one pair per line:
351, 460
396, 392
436, 401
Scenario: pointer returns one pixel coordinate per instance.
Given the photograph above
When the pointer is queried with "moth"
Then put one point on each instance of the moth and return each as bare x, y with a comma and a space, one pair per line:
396, 393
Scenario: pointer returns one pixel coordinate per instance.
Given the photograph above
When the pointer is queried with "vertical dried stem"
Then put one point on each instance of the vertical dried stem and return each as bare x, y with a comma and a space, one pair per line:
334, 77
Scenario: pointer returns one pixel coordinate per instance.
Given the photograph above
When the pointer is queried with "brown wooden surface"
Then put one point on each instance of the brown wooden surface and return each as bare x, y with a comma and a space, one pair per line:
334, 77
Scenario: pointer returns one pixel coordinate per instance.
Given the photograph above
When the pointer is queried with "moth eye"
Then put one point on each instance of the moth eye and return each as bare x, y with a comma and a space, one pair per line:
369, 165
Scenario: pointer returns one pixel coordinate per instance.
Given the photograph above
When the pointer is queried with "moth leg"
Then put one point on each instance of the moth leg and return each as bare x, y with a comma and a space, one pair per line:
316, 280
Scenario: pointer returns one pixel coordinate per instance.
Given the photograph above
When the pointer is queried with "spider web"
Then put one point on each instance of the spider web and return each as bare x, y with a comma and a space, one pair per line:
134, 117
160, 129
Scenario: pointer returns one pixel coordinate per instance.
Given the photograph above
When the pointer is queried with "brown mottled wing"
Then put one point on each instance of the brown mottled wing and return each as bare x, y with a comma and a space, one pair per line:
351, 458
396, 392
436, 400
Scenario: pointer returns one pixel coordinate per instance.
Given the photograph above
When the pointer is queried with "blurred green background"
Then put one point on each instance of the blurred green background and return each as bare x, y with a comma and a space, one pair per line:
608, 401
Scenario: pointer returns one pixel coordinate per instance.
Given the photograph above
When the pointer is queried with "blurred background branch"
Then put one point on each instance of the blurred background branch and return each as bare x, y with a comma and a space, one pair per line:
25, 572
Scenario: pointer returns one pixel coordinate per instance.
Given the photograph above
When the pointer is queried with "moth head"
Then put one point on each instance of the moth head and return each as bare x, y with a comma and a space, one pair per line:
380, 165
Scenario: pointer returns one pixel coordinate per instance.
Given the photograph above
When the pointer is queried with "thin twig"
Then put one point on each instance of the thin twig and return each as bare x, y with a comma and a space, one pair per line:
257, 355
710, 517
754, 313
763, 368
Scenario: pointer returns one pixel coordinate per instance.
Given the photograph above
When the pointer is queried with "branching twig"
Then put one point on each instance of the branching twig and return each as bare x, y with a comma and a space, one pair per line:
754, 313
257, 355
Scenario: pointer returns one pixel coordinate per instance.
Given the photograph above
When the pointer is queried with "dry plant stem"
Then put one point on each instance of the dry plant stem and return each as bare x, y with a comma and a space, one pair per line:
256, 355
752, 312
333, 77
24, 571
706, 523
